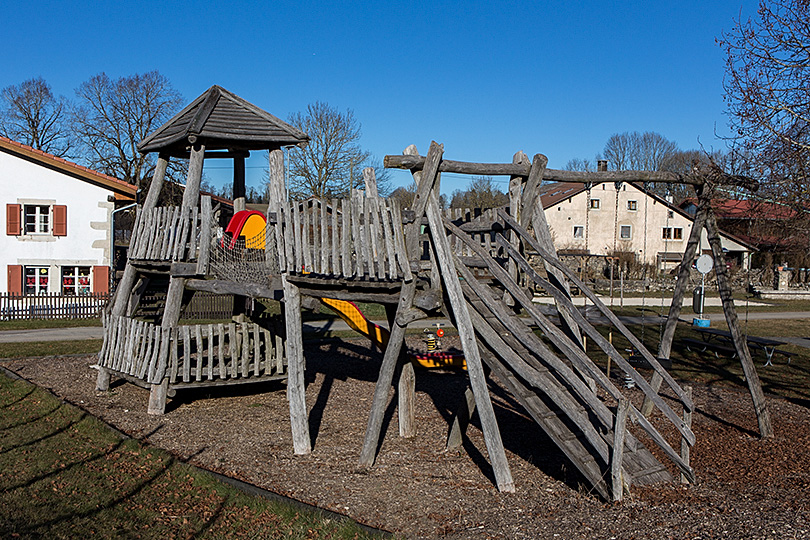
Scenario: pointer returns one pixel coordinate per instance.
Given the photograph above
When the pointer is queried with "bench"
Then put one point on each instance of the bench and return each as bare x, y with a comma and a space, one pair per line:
704, 346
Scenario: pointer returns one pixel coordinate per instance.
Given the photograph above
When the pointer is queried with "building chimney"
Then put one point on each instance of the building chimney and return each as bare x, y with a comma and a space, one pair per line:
601, 165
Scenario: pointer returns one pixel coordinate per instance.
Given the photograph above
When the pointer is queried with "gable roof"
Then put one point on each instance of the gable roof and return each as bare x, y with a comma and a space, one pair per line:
222, 121
119, 187
746, 209
555, 192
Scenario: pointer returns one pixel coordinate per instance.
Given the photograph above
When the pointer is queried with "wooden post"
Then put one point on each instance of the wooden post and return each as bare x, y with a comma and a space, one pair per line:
665, 346
534, 213
238, 183
124, 289
475, 370
740, 343
687, 419
191, 194
461, 421
276, 195
277, 190
174, 296
407, 396
296, 393
396, 339
370, 181
516, 209
618, 449
381, 389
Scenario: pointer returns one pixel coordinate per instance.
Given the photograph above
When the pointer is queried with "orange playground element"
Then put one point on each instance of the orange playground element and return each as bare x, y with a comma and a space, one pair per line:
350, 313
358, 322
247, 224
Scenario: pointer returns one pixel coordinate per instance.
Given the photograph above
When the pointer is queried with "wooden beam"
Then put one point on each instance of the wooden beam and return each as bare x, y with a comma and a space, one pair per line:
238, 183
618, 450
740, 343
452, 287
681, 282
552, 175
296, 392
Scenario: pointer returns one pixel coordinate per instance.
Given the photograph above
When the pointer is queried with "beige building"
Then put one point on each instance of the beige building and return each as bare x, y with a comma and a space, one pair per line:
613, 217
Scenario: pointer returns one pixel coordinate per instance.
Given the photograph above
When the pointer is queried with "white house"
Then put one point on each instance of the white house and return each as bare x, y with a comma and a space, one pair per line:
624, 217
58, 223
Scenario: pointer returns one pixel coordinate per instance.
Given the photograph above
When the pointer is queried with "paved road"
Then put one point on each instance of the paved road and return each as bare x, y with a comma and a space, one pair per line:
316, 327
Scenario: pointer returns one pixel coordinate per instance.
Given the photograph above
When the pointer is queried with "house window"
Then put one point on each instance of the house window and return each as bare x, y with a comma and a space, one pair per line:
35, 280
594, 204
36, 219
625, 232
75, 280
632, 205
672, 233
579, 231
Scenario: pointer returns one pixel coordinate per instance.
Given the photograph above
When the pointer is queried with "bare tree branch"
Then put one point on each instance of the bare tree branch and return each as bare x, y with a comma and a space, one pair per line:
112, 116
332, 162
32, 115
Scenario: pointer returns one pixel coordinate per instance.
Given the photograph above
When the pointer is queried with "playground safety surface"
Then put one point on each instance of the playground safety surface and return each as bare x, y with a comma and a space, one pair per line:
746, 488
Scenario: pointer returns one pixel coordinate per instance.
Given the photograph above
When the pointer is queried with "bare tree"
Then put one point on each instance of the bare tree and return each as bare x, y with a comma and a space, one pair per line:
634, 151
481, 193
767, 69
112, 116
332, 162
32, 115
578, 164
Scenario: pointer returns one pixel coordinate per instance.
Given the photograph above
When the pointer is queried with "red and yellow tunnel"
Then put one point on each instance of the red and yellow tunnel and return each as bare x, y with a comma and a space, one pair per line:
248, 225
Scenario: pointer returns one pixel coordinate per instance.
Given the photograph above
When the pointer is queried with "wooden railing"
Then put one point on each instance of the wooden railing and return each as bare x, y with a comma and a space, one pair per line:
192, 355
171, 233
52, 306
361, 236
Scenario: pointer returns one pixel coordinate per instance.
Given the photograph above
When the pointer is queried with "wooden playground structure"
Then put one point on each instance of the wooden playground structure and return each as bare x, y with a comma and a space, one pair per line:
469, 267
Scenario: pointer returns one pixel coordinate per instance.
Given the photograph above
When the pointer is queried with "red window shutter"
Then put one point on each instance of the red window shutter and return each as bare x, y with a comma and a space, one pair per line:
59, 220
13, 226
101, 279
15, 282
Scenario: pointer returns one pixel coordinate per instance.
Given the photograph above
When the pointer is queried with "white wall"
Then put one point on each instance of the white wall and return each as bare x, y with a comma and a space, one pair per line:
88, 216
602, 226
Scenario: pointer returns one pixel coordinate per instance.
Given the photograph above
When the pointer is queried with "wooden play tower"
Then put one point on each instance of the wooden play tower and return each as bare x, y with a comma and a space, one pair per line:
470, 267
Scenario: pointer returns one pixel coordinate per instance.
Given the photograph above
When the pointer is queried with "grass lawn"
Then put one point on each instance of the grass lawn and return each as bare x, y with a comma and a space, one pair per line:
63, 474
787, 380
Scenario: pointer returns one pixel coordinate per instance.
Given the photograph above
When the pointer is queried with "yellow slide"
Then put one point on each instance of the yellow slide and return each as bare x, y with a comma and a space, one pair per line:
378, 335
358, 322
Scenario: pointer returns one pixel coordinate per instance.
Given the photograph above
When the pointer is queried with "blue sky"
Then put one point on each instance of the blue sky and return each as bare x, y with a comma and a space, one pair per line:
486, 79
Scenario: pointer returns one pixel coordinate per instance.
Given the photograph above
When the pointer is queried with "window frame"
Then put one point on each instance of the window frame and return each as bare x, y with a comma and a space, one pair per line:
40, 218
82, 280
632, 205
37, 287
629, 229
580, 229
594, 204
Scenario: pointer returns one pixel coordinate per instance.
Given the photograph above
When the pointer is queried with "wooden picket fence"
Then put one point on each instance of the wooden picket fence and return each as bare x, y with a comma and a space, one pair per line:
192, 355
51, 306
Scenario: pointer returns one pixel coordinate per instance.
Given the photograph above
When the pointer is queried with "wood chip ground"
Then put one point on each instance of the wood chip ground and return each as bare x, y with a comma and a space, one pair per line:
746, 488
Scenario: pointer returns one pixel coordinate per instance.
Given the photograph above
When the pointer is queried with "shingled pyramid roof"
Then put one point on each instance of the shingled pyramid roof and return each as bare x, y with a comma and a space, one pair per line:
222, 121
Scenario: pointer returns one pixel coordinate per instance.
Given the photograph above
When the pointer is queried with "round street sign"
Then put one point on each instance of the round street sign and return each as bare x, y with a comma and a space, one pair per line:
704, 264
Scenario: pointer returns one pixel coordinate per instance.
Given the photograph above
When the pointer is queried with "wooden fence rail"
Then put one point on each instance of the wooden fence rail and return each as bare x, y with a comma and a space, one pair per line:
51, 306
191, 355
